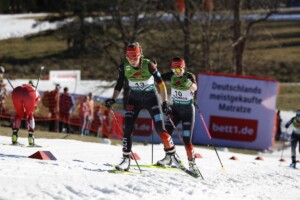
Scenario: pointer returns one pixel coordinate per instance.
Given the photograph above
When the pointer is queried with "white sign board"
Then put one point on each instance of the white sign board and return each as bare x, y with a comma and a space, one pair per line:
64, 75
239, 111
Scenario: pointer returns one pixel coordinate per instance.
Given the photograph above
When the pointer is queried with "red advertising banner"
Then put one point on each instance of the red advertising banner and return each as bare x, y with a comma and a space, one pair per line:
235, 129
143, 127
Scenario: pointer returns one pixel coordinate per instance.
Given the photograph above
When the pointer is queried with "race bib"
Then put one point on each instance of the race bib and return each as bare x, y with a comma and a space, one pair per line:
182, 96
142, 85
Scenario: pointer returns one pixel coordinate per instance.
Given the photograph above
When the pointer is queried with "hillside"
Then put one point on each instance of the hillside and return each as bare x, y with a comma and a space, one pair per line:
272, 51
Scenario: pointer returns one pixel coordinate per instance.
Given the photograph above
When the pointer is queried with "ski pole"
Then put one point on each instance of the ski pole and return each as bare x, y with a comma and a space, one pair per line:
207, 131
113, 112
283, 145
175, 128
179, 135
42, 68
8, 81
152, 147
3, 70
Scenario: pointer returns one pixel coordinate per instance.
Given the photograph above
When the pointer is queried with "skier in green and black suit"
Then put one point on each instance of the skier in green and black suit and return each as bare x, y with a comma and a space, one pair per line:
142, 74
183, 86
295, 138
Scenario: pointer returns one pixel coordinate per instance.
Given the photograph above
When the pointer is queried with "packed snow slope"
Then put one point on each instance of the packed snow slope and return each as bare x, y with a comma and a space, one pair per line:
81, 172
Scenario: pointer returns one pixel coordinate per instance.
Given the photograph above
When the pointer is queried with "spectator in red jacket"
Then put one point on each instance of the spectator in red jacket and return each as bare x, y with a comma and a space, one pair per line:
66, 105
53, 101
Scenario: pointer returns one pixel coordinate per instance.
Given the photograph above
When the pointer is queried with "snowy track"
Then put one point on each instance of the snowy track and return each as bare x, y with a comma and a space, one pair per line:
80, 172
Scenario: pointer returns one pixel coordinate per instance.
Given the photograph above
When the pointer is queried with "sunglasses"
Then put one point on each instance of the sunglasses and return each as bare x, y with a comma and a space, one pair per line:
177, 70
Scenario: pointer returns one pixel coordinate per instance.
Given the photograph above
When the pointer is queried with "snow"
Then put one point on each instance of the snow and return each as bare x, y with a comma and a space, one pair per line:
80, 172
81, 168
20, 25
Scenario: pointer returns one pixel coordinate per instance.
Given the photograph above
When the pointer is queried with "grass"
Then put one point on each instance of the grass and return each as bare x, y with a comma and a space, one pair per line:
272, 51
288, 97
22, 48
271, 44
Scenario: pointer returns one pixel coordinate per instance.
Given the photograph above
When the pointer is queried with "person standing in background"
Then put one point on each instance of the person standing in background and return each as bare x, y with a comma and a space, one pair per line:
53, 102
66, 105
90, 118
84, 115
98, 117
106, 123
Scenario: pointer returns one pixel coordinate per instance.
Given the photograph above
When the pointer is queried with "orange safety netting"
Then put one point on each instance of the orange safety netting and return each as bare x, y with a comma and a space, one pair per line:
100, 121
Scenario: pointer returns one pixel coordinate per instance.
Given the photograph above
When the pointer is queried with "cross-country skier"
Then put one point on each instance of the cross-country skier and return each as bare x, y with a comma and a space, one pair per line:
295, 136
25, 98
142, 74
183, 86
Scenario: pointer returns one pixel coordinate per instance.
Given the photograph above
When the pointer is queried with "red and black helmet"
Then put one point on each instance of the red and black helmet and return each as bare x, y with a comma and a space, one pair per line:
178, 63
133, 50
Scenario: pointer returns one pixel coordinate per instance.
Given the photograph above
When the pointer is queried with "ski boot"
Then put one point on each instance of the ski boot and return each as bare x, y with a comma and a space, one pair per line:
293, 165
125, 163
171, 158
193, 167
15, 136
31, 139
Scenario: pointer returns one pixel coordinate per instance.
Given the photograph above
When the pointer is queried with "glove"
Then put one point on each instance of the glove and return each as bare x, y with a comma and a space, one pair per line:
109, 103
166, 108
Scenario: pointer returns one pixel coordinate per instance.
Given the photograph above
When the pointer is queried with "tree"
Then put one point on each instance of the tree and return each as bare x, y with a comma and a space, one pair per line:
241, 33
130, 19
204, 26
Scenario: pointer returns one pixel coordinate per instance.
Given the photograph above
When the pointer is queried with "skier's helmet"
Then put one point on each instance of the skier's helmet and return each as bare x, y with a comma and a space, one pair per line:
178, 65
133, 52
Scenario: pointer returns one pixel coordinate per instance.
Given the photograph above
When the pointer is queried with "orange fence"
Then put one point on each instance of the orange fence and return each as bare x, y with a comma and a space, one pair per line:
102, 123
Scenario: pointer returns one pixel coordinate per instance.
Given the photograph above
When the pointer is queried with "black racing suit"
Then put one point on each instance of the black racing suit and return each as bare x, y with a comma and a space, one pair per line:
184, 113
148, 100
295, 137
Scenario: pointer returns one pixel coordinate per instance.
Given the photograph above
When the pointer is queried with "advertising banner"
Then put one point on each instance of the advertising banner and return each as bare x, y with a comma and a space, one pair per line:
144, 130
64, 75
239, 111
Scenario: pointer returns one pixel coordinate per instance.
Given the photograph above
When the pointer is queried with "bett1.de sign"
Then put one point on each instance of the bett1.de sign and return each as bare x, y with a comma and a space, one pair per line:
239, 111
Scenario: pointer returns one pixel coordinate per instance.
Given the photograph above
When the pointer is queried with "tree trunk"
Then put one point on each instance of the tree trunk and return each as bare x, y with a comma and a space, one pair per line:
238, 41
187, 32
